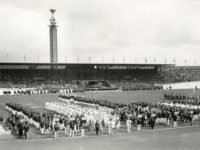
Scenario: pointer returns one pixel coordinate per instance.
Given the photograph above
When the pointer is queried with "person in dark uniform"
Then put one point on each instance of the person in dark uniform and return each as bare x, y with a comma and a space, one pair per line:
152, 122
1, 119
97, 127
26, 129
175, 120
20, 129
190, 116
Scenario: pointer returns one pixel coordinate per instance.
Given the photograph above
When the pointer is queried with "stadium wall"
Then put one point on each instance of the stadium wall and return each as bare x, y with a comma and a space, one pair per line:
11, 91
182, 85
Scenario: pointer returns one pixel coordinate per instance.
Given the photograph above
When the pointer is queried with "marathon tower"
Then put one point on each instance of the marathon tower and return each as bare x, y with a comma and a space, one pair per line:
53, 38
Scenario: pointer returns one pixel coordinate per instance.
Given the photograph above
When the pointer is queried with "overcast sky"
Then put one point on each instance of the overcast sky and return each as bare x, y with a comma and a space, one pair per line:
102, 29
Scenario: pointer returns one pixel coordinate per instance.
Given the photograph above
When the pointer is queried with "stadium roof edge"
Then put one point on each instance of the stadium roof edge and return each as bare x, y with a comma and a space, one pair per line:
125, 64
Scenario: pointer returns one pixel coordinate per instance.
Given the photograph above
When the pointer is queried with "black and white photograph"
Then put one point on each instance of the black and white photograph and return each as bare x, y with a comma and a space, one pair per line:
100, 74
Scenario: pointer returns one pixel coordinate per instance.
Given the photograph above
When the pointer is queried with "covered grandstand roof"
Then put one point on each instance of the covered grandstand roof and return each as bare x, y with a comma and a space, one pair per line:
77, 65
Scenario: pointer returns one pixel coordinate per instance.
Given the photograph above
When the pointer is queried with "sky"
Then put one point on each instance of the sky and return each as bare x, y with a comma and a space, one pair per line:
119, 31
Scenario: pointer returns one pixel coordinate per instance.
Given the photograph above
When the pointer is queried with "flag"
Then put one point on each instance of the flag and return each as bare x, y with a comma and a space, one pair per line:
145, 59
174, 60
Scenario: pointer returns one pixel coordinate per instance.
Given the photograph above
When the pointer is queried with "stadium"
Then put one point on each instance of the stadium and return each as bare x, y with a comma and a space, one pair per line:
49, 105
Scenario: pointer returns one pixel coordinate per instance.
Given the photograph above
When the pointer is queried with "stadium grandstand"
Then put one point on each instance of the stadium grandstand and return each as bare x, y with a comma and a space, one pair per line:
60, 75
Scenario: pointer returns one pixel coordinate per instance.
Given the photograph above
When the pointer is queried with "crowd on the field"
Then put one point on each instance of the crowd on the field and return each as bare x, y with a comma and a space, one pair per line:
143, 113
18, 120
21, 115
103, 103
75, 114
183, 98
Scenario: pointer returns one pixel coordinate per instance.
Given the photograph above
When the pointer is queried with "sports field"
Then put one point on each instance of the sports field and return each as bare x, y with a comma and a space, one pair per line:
160, 138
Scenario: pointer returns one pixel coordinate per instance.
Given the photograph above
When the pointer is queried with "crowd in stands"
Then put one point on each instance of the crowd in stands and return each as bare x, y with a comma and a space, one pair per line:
36, 84
181, 74
131, 85
76, 86
134, 80
168, 75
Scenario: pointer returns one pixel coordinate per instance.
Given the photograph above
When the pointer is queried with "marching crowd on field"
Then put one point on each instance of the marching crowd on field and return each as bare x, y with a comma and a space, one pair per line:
183, 98
77, 114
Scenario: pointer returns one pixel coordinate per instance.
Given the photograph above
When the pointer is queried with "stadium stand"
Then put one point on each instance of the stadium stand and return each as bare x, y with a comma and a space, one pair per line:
106, 77
181, 74
81, 77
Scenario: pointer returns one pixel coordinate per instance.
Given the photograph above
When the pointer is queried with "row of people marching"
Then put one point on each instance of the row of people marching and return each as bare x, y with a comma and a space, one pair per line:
145, 113
161, 113
185, 112
103, 103
17, 124
183, 98
32, 116
89, 113
35, 91
115, 123
40, 121
48, 122
20, 117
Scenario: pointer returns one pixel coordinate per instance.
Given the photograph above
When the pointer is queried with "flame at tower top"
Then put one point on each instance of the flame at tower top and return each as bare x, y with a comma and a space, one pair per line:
52, 19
